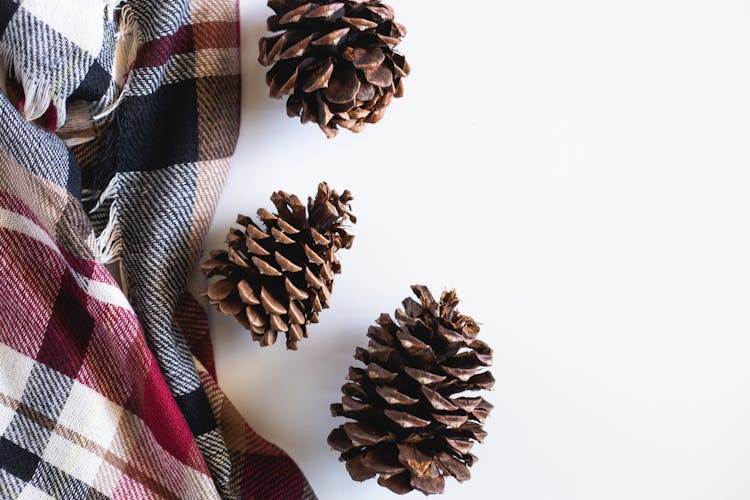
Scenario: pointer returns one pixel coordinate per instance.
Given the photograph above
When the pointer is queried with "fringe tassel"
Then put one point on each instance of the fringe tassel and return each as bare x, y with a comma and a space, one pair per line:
126, 49
37, 94
109, 241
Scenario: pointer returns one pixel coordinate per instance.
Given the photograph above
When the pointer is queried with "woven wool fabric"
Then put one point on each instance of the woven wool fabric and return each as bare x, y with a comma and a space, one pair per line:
107, 386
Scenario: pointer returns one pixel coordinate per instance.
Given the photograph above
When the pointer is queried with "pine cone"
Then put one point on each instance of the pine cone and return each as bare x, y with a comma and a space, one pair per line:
279, 278
411, 428
335, 60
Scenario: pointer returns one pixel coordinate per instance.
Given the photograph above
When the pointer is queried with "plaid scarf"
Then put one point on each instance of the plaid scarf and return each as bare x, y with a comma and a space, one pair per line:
116, 127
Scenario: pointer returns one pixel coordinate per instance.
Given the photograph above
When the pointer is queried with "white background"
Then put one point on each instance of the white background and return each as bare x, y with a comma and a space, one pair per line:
580, 172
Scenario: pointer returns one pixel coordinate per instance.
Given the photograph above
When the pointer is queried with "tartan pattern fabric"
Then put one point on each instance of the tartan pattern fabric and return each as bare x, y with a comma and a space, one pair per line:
107, 389
85, 410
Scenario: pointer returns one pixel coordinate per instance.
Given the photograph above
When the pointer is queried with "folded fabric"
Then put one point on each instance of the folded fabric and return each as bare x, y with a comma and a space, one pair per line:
116, 127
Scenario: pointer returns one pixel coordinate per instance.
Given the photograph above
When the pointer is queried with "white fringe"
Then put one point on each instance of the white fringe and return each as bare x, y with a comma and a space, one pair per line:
88, 195
109, 241
126, 48
37, 94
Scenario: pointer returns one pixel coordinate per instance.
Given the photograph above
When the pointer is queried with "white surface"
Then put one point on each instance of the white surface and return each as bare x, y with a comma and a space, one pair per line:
579, 171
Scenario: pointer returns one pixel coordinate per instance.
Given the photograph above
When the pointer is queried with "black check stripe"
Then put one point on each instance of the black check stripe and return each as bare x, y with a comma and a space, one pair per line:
16, 460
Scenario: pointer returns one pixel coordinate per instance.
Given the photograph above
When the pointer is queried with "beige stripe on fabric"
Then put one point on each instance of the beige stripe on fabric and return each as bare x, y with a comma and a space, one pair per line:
209, 182
217, 132
43, 197
135, 441
58, 211
217, 62
211, 10
23, 225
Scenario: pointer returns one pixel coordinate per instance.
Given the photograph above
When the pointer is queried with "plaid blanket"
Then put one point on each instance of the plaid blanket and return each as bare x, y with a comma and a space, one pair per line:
116, 125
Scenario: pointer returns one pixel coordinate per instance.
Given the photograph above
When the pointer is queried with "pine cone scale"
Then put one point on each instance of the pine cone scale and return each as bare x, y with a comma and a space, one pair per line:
454, 467
358, 470
246, 293
381, 463
343, 85
399, 484
220, 289
318, 77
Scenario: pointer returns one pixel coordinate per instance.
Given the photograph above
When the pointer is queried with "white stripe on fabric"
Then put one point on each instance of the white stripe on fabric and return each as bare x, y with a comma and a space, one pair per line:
80, 21
109, 294
20, 224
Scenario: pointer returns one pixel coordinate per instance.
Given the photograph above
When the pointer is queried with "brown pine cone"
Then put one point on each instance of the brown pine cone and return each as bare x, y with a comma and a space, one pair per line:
335, 60
411, 427
278, 278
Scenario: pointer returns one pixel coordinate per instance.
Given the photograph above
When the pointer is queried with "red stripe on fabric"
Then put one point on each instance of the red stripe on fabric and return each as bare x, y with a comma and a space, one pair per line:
115, 364
84, 267
187, 39
272, 477
101, 274
28, 290
215, 35
158, 409
69, 329
157, 52
17, 205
